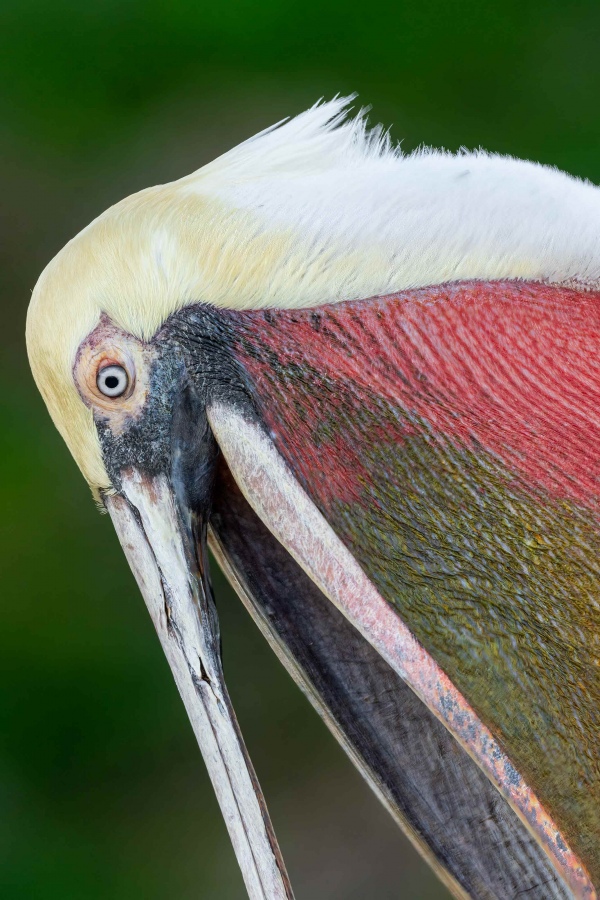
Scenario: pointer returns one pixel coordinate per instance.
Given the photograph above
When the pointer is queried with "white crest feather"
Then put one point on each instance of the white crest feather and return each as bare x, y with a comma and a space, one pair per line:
424, 218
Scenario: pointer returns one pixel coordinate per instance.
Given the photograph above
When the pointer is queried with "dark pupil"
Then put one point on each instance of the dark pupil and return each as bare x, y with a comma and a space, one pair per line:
111, 381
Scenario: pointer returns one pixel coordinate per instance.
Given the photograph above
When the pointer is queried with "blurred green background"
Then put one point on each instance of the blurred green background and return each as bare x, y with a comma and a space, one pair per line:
103, 793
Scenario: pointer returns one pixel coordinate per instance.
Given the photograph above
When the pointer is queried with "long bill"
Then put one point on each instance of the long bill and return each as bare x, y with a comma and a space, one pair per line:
165, 546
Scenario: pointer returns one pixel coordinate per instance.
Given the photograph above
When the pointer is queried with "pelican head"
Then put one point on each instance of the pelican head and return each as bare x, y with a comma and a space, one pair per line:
370, 381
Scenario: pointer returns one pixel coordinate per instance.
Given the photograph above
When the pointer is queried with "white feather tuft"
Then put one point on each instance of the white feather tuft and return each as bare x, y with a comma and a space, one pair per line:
322, 137
399, 221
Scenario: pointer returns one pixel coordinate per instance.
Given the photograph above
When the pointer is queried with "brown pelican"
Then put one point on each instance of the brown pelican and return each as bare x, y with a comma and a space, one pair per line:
370, 383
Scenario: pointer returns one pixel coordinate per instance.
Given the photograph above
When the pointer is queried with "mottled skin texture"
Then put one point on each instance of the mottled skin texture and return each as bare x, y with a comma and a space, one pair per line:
451, 436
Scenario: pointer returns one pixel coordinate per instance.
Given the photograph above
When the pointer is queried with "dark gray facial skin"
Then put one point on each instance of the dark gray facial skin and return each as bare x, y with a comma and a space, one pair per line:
193, 366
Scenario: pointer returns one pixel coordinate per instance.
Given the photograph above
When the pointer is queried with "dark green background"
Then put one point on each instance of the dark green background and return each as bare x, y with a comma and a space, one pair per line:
102, 790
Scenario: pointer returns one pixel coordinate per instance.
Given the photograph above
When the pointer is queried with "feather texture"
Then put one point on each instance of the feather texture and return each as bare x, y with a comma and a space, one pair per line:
315, 210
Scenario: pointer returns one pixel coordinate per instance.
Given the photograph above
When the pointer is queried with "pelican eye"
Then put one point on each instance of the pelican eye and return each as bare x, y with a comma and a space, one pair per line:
112, 381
